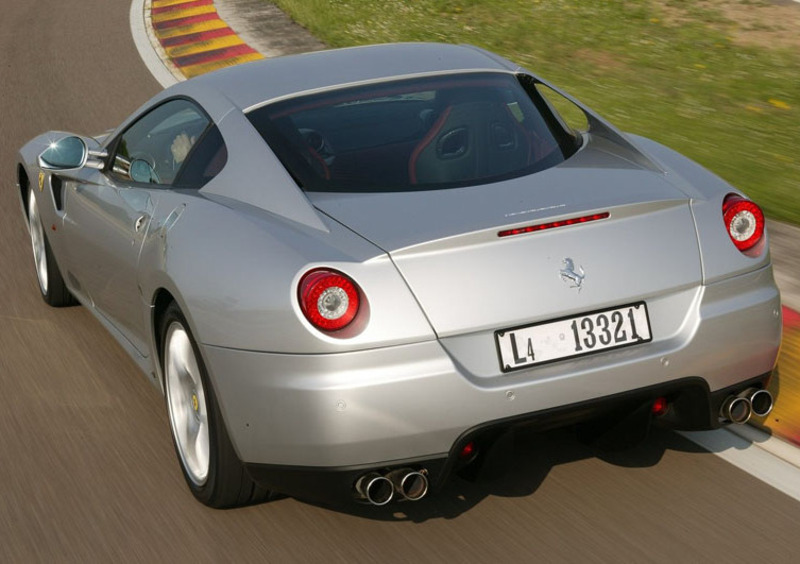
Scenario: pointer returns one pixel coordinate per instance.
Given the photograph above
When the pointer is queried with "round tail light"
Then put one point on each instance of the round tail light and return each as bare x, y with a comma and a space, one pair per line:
328, 299
744, 221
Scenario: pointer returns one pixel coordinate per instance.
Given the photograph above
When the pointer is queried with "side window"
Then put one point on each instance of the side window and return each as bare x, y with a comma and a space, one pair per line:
205, 161
154, 148
572, 116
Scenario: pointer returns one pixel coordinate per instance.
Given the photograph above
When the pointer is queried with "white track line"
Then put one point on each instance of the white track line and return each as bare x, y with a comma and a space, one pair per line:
764, 441
144, 44
769, 459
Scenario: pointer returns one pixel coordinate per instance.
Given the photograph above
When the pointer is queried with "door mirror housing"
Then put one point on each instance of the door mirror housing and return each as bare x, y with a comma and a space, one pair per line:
72, 153
142, 171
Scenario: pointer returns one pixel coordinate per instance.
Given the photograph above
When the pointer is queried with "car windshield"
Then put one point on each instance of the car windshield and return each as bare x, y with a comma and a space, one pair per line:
415, 134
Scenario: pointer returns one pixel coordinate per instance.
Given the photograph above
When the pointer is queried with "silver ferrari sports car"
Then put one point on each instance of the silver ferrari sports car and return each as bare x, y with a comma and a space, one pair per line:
352, 271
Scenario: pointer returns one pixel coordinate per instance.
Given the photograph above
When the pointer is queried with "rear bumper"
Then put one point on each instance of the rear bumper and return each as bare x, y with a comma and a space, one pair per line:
411, 403
692, 406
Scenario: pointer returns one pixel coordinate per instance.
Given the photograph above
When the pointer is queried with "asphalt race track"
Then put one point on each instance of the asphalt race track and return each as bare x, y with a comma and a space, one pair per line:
87, 470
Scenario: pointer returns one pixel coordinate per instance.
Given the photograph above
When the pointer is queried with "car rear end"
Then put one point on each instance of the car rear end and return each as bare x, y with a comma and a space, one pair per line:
574, 281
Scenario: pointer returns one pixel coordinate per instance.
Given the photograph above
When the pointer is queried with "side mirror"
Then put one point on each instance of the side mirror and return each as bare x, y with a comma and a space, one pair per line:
71, 153
141, 171
64, 154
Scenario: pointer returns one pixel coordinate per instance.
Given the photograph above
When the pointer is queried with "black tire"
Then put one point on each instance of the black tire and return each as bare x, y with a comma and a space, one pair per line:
221, 481
51, 284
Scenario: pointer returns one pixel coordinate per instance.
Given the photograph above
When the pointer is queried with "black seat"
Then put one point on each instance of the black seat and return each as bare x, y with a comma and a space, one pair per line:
470, 140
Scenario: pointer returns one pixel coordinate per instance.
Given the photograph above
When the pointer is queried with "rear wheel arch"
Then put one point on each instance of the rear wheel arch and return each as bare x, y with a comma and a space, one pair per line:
163, 298
161, 302
214, 473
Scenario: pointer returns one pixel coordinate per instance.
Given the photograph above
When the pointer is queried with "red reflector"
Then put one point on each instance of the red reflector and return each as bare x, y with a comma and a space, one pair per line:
552, 224
659, 407
467, 451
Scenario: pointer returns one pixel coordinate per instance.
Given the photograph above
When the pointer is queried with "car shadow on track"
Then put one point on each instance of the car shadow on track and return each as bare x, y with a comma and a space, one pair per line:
519, 468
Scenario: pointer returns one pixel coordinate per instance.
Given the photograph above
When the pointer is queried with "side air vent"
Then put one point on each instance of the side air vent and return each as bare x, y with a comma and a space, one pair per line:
57, 186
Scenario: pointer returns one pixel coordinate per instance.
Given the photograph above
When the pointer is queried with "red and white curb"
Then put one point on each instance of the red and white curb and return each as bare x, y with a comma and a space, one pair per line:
148, 46
180, 39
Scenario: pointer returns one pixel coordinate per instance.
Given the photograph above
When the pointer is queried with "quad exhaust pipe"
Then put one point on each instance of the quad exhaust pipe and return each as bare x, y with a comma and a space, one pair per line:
410, 484
374, 488
736, 409
740, 407
761, 401
378, 489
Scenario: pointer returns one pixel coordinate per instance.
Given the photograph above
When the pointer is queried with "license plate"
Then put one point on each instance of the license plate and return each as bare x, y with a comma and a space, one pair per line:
540, 343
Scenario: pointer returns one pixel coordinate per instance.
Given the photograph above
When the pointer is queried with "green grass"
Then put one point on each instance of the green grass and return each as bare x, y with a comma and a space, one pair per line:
685, 83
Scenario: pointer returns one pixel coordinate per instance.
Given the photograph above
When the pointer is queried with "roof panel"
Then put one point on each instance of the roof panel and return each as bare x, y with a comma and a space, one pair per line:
251, 84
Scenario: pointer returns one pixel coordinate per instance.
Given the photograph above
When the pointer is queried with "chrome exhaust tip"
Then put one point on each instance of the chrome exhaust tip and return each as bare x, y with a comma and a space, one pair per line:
761, 401
736, 409
410, 484
375, 489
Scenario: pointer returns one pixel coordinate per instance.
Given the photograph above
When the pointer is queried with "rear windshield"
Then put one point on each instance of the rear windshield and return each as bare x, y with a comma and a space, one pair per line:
414, 134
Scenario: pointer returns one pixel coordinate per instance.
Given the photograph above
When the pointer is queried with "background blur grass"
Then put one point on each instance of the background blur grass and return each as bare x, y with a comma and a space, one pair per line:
671, 70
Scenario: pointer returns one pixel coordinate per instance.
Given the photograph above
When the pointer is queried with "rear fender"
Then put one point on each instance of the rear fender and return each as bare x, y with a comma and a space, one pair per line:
234, 270
719, 256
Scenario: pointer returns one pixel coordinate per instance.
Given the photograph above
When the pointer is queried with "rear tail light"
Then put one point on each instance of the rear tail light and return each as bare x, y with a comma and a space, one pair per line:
328, 299
744, 221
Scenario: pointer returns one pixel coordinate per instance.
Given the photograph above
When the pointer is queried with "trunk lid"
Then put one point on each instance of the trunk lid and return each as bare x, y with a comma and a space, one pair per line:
466, 278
